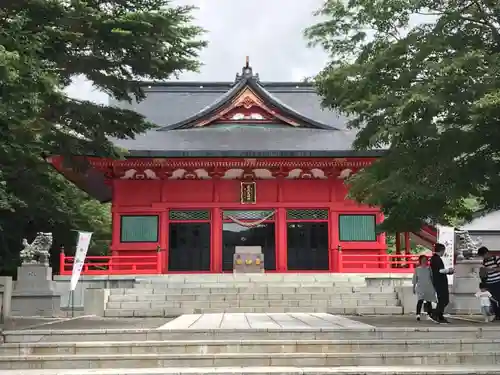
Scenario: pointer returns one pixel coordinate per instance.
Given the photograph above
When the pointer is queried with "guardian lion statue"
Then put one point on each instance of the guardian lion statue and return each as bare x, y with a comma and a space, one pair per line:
37, 252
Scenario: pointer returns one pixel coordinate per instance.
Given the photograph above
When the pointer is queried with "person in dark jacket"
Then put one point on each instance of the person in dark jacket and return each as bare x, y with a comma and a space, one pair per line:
440, 281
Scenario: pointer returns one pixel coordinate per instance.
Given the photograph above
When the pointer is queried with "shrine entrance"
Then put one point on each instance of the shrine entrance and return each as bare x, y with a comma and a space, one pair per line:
189, 241
248, 228
307, 246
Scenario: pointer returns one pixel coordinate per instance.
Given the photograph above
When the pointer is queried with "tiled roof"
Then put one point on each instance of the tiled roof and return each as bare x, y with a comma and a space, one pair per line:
173, 102
244, 141
176, 106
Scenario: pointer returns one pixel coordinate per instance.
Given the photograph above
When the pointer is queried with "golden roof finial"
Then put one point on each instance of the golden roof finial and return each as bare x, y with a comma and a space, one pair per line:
247, 60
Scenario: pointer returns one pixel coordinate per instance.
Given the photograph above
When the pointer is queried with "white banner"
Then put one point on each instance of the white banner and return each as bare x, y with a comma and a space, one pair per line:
446, 236
81, 253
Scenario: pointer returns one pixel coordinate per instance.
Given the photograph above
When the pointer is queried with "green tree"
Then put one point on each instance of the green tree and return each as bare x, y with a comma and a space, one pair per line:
44, 44
421, 79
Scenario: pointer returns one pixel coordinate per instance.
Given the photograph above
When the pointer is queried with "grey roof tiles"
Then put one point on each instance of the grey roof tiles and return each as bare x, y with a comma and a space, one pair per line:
175, 106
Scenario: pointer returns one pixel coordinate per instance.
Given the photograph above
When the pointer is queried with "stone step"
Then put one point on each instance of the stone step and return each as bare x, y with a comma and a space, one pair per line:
253, 277
216, 303
173, 311
153, 360
351, 370
280, 284
241, 284
144, 334
249, 346
249, 296
254, 290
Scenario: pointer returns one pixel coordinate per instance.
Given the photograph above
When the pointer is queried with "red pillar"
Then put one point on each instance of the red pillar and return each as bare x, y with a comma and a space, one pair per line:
385, 260
281, 241
216, 245
281, 231
407, 243
216, 227
115, 224
398, 257
333, 225
335, 260
407, 247
164, 240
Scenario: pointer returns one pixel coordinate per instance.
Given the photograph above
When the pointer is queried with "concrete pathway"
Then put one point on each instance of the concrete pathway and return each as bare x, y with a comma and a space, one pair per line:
263, 321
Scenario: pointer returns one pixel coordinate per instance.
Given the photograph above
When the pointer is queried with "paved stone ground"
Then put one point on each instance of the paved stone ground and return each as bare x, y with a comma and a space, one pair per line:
410, 321
153, 323
23, 323
262, 321
86, 322
372, 370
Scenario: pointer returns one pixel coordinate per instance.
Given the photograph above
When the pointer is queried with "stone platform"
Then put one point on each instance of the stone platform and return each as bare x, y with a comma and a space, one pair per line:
252, 344
256, 321
365, 370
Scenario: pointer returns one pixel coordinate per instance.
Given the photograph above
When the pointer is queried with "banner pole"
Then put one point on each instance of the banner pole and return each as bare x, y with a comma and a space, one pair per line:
72, 303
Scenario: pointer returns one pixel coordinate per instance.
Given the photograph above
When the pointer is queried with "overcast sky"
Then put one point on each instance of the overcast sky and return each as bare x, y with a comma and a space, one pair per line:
269, 31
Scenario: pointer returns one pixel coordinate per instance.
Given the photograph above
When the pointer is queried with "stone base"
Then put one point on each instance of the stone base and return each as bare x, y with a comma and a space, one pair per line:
5, 297
29, 304
465, 285
408, 300
96, 301
34, 292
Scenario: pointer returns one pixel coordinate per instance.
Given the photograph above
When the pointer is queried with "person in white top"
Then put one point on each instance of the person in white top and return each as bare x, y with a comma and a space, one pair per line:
485, 300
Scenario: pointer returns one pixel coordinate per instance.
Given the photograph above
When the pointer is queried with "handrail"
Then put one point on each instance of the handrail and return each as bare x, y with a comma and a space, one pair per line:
114, 264
377, 263
154, 264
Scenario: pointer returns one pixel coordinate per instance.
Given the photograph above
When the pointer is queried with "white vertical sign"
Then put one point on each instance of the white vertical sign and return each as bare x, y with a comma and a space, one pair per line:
446, 236
81, 253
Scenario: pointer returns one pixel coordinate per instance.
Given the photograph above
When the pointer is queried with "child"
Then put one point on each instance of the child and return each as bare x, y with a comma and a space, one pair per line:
422, 287
485, 300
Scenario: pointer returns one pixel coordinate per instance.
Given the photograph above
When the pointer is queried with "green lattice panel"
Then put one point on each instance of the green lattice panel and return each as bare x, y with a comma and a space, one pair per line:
139, 228
313, 214
357, 228
189, 215
248, 214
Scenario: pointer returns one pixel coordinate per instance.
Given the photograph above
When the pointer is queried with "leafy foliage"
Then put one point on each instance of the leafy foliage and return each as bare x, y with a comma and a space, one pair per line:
43, 45
421, 79
415, 248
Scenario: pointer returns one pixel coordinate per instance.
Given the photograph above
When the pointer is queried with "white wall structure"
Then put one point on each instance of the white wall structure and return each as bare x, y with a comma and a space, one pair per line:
486, 230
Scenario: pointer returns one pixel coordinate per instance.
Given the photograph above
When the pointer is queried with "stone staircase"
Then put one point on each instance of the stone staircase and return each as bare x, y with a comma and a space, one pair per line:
174, 295
381, 351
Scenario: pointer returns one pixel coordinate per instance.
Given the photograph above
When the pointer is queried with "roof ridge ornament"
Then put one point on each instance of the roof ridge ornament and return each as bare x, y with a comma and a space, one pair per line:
246, 72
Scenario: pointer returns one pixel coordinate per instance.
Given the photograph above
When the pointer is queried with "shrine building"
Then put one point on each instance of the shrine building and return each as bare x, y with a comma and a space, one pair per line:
241, 163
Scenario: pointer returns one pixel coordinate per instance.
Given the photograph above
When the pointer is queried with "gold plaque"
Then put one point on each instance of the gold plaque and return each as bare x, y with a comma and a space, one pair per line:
248, 193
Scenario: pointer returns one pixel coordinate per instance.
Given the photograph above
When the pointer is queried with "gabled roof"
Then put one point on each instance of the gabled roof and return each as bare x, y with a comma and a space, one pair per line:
208, 119
248, 92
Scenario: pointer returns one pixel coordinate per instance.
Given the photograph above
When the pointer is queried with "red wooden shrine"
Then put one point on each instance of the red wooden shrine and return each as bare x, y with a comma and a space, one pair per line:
177, 209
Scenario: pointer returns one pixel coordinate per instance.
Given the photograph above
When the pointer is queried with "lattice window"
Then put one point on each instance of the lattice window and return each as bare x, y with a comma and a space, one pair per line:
189, 215
312, 214
139, 228
357, 228
248, 214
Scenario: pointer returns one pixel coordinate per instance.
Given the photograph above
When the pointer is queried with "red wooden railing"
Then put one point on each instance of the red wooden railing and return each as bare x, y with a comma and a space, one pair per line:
152, 264
377, 263
114, 265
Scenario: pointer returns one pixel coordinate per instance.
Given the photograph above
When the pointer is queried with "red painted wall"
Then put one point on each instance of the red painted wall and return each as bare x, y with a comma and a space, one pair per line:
157, 196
